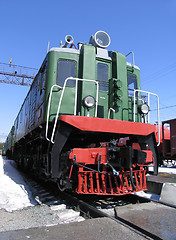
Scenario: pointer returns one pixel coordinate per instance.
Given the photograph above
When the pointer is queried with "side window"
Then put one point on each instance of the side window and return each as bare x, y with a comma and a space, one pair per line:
38, 79
26, 107
65, 69
132, 83
17, 120
21, 115
43, 76
102, 76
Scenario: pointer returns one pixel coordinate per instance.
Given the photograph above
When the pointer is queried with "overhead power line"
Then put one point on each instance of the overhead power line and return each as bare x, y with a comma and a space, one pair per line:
159, 74
168, 107
164, 107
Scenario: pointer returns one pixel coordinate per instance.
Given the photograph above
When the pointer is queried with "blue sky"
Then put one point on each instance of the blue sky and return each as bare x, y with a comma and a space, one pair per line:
146, 27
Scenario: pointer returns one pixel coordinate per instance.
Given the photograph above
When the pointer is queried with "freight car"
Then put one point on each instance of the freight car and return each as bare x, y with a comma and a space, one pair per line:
168, 147
84, 123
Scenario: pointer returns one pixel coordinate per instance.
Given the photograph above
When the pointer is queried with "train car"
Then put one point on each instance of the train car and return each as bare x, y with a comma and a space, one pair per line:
84, 123
3, 151
9, 143
169, 139
168, 147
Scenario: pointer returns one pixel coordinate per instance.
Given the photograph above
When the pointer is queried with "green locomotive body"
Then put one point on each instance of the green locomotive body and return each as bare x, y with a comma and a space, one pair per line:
84, 123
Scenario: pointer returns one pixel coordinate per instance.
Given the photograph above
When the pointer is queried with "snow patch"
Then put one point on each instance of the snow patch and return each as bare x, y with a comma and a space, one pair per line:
149, 195
14, 192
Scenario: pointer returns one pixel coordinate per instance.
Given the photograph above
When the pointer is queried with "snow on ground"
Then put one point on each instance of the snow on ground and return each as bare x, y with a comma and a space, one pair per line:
149, 195
171, 170
14, 192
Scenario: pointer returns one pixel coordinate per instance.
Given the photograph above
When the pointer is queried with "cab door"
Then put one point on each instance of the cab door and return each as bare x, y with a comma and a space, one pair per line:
103, 76
133, 83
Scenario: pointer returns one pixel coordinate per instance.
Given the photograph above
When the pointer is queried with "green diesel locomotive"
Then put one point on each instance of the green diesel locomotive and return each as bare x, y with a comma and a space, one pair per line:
85, 121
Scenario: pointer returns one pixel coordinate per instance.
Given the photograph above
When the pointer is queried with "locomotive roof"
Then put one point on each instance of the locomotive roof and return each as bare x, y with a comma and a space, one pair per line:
129, 64
102, 53
67, 50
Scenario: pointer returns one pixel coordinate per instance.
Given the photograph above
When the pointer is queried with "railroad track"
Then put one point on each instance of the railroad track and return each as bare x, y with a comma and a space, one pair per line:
47, 194
95, 213
75, 208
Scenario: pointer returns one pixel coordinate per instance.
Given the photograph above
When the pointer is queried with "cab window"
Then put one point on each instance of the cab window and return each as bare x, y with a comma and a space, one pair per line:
132, 83
102, 76
66, 68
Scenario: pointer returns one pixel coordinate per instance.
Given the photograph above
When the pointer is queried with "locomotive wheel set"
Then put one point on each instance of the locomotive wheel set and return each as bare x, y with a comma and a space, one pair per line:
84, 123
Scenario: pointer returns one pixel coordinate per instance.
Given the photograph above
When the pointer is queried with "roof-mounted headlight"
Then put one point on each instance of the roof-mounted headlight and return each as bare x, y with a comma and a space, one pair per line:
89, 102
143, 109
100, 39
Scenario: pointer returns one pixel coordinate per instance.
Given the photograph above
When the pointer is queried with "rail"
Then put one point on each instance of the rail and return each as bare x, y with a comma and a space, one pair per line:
148, 116
90, 210
60, 101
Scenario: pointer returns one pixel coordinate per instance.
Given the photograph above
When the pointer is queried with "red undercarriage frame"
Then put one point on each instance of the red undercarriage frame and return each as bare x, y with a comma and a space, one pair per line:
104, 182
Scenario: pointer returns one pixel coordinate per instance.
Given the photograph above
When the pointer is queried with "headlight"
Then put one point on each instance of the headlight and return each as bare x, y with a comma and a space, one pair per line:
89, 101
100, 39
143, 108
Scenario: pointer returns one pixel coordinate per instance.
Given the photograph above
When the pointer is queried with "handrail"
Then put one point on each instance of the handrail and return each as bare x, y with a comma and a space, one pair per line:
110, 109
75, 106
48, 110
132, 57
134, 112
